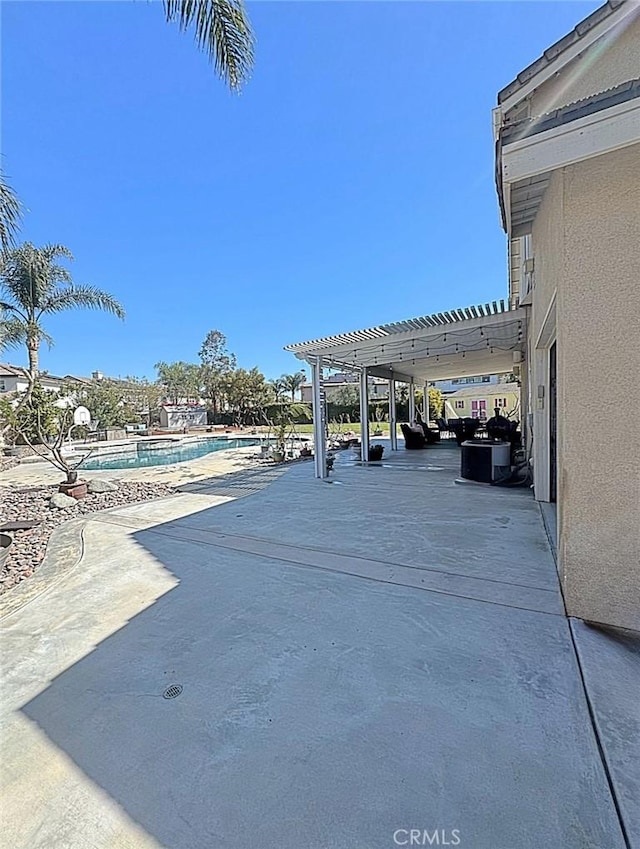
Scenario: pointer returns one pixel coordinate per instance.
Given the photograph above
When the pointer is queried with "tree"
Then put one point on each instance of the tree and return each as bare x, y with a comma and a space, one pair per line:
278, 388
35, 421
42, 425
247, 394
10, 214
106, 401
143, 396
34, 285
436, 401
222, 30
180, 380
293, 382
217, 363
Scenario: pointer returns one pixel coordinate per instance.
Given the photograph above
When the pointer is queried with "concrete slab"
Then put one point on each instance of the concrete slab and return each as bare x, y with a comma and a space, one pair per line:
407, 516
320, 707
610, 662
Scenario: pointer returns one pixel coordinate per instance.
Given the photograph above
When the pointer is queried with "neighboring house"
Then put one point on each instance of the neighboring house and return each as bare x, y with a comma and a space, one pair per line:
449, 386
480, 402
15, 379
182, 416
567, 133
379, 389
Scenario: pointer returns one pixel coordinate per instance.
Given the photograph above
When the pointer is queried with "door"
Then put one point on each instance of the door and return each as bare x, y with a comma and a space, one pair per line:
479, 410
553, 424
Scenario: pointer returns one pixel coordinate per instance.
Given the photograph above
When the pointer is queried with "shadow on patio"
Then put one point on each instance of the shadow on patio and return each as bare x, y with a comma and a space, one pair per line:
386, 652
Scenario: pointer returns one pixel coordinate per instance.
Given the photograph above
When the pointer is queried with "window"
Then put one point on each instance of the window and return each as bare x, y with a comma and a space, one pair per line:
499, 402
3, 385
459, 405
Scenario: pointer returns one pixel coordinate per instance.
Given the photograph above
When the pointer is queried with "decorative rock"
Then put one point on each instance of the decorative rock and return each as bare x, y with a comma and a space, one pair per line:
61, 501
97, 485
31, 505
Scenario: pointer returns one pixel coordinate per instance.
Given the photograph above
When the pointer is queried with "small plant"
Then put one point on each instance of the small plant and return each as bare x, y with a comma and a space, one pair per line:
376, 452
44, 431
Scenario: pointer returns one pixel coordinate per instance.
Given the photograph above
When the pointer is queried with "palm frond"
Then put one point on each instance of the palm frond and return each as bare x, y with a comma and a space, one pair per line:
222, 30
12, 333
28, 274
10, 215
89, 297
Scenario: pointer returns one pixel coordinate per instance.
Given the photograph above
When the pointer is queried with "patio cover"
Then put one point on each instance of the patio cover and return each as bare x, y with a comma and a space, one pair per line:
477, 340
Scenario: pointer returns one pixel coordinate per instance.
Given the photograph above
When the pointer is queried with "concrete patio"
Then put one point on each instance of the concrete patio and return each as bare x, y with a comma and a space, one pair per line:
359, 658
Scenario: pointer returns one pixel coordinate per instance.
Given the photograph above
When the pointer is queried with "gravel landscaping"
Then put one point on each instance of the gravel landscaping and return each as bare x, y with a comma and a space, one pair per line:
33, 504
7, 463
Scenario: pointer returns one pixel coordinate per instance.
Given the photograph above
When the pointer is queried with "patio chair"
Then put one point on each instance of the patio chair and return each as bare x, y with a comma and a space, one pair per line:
464, 429
413, 436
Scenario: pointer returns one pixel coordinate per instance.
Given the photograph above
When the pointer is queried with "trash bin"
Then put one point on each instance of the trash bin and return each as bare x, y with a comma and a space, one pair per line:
484, 460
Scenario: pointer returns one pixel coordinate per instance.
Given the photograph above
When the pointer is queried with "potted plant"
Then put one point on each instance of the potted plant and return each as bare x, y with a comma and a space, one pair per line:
45, 437
283, 426
376, 452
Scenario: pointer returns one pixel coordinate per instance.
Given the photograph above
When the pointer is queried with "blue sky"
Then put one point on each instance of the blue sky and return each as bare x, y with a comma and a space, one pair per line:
351, 183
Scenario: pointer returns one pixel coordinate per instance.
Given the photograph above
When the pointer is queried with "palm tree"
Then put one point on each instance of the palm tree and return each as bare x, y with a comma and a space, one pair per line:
10, 214
33, 285
222, 29
293, 382
278, 388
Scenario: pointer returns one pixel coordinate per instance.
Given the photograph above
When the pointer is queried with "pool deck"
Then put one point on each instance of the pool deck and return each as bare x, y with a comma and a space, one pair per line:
216, 463
359, 658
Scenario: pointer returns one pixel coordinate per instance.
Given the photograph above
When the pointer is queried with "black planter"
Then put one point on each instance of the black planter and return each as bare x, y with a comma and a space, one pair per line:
5, 542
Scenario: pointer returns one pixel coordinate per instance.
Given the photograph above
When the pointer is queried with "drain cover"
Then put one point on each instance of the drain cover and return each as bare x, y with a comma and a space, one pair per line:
172, 692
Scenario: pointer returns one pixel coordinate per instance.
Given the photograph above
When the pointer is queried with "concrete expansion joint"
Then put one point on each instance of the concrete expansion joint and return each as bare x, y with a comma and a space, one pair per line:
470, 588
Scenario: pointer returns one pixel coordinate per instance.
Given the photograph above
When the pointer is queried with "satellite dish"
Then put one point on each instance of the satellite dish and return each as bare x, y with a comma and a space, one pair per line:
81, 416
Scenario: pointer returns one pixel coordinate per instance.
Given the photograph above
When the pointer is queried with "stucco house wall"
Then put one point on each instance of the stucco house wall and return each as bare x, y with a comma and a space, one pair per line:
599, 333
583, 241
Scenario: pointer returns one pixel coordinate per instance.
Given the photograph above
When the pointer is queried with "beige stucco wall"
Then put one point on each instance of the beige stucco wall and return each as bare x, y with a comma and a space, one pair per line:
612, 60
598, 316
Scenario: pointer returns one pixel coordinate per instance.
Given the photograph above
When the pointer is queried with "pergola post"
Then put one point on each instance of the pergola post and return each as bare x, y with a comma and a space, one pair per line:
425, 402
364, 416
392, 416
412, 402
319, 425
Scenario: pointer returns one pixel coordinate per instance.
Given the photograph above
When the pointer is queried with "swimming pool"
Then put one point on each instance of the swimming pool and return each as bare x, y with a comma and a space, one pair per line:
144, 454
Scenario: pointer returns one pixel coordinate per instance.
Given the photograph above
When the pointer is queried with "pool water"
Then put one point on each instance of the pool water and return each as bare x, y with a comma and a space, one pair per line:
145, 454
